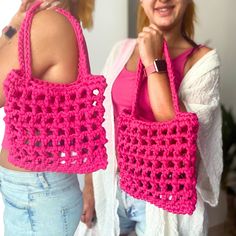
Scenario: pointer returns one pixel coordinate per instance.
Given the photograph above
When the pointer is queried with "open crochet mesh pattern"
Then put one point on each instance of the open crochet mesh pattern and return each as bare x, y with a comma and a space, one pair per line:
55, 127
157, 159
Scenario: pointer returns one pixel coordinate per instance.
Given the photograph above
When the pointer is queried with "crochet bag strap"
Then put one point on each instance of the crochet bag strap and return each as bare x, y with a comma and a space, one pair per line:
171, 75
24, 47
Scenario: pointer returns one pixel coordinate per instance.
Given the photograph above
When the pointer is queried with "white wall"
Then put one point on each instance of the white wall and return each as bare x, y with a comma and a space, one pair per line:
110, 25
216, 23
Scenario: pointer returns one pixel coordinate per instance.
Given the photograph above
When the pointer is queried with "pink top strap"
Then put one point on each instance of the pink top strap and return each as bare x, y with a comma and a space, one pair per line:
24, 47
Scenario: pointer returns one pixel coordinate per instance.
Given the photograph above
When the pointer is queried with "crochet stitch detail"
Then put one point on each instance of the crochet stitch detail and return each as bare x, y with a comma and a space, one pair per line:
55, 127
157, 159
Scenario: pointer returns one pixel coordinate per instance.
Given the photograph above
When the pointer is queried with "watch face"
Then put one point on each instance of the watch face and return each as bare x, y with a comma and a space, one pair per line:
10, 32
160, 65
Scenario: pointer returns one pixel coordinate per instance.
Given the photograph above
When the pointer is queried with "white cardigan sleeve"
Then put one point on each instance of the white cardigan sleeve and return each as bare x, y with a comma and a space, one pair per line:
200, 92
111, 59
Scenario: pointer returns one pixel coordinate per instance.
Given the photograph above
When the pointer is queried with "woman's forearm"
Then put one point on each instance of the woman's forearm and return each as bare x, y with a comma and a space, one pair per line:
15, 25
88, 180
3, 41
160, 97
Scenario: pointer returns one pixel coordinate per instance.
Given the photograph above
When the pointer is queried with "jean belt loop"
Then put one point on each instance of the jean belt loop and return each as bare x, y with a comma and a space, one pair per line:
43, 180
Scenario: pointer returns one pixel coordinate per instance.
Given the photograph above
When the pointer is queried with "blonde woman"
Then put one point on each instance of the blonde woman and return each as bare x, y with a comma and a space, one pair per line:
43, 203
197, 73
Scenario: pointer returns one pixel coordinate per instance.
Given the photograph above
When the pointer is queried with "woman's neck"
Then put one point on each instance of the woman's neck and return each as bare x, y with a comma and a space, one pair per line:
175, 38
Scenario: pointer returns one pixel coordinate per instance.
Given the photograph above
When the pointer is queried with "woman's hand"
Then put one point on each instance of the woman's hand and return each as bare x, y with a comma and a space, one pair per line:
88, 206
49, 4
20, 14
25, 5
150, 43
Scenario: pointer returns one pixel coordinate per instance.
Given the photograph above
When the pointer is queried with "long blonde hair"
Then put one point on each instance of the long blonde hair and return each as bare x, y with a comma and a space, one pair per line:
187, 24
84, 12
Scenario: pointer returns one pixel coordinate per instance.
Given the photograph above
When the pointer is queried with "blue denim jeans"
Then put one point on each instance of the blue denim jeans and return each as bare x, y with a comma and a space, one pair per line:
40, 204
131, 212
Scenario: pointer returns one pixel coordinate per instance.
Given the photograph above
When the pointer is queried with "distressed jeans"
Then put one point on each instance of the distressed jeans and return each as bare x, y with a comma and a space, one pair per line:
40, 203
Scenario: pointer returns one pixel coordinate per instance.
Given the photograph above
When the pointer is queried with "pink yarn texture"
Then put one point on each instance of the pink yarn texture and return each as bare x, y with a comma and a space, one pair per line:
55, 127
157, 159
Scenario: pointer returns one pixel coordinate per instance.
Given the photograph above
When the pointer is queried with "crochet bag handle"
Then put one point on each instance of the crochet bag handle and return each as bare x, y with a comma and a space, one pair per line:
24, 47
171, 76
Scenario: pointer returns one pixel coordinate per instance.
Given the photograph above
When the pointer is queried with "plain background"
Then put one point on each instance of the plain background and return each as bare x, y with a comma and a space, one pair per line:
215, 27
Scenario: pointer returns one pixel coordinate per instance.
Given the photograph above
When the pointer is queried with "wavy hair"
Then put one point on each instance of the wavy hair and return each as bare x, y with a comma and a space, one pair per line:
84, 12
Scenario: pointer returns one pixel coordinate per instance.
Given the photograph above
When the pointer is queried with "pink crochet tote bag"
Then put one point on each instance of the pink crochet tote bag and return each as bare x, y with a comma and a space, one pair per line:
55, 127
157, 159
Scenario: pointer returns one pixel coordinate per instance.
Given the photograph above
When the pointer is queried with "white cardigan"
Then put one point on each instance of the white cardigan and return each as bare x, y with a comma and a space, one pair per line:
199, 91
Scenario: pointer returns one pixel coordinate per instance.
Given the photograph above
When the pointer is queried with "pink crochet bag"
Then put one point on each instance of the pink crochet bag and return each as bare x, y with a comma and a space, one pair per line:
157, 159
55, 127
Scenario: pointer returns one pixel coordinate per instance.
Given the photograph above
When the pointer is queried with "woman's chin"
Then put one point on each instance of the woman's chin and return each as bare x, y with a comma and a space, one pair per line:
162, 23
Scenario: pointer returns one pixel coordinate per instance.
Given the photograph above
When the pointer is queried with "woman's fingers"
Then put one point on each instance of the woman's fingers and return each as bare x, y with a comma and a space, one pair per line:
88, 206
142, 35
87, 217
150, 42
153, 26
25, 5
152, 29
149, 30
50, 4
46, 4
88, 214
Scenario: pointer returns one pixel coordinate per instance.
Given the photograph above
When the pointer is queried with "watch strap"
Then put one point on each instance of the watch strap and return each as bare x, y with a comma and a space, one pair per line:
150, 69
158, 66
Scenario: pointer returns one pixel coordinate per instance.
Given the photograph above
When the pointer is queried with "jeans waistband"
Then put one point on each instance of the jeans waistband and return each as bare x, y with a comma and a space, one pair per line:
32, 178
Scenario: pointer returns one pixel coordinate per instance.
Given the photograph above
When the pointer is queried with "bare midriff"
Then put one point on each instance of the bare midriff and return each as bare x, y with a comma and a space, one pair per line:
6, 164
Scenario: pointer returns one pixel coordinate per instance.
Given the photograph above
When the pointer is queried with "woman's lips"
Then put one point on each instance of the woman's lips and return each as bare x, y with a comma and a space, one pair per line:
164, 11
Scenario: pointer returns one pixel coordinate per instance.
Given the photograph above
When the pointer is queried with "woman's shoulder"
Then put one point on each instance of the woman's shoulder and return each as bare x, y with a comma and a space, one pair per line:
49, 24
54, 44
200, 56
201, 51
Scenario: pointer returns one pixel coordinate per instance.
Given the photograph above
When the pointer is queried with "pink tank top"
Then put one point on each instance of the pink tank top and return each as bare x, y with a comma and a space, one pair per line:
124, 87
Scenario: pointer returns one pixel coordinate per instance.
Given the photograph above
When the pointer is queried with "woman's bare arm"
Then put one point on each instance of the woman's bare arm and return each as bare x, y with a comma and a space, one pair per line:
8, 46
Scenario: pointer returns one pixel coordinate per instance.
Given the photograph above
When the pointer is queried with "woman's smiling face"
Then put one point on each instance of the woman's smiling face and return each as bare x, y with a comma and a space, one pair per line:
166, 14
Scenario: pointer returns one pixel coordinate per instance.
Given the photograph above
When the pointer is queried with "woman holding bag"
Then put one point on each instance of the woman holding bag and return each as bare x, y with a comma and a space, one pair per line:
49, 96
195, 76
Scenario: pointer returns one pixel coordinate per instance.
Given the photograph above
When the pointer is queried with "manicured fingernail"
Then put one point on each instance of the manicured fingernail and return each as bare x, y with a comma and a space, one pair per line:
27, 6
44, 4
55, 4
